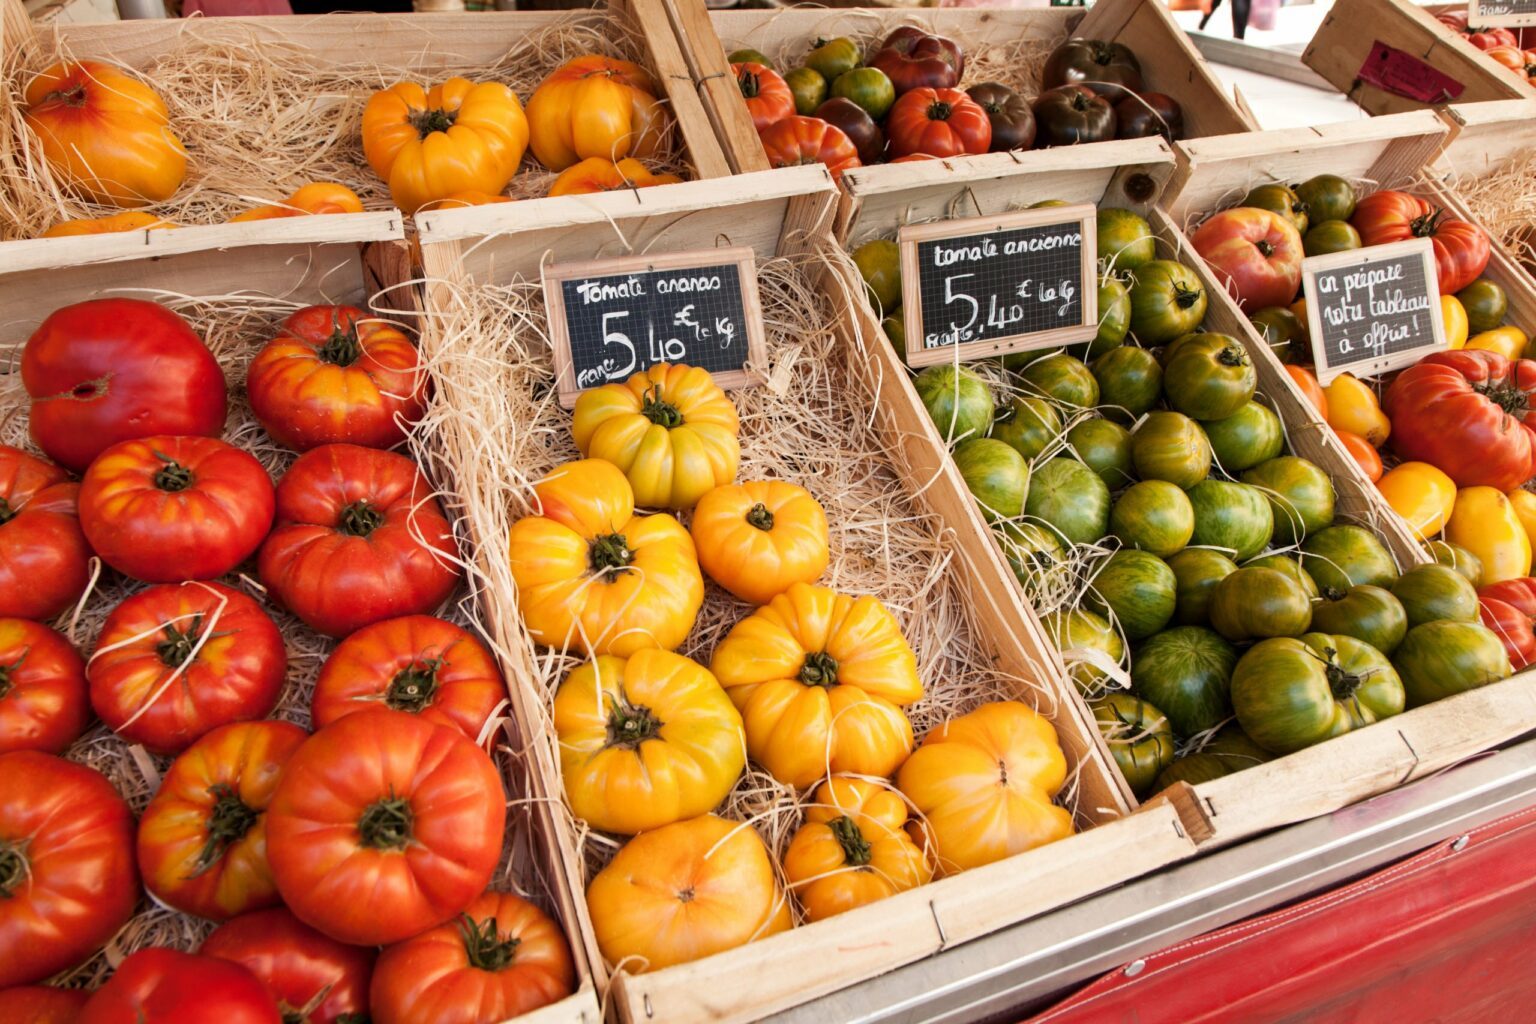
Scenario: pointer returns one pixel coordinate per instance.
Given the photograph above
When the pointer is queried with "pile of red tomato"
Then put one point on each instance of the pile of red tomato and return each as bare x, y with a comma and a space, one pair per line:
383, 828
1505, 46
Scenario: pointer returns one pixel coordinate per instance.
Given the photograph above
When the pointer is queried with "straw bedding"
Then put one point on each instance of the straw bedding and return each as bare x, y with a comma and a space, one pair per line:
1504, 201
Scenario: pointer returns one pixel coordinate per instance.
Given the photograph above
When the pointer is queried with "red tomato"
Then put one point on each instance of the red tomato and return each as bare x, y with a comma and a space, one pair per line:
110, 370
417, 664
1468, 412
175, 661
359, 538
1256, 253
1486, 39
1365, 456
43, 702
809, 140
384, 825
1512, 627
203, 838
1461, 248
766, 93
502, 959
67, 879
316, 980
939, 122
1311, 390
44, 559
1506, 55
913, 59
167, 509
166, 986
40, 1004
337, 375
1519, 593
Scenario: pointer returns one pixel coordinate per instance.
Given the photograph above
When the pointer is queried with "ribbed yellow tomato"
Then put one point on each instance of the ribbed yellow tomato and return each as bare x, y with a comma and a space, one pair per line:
1524, 503
1507, 341
683, 892
759, 538
853, 849
1454, 316
1352, 406
461, 136
819, 677
984, 783
599, 174
1486, 524
130, 220
646, 741
1422, 494
106, 133
594, 577
669, 428
318, 197
595, 106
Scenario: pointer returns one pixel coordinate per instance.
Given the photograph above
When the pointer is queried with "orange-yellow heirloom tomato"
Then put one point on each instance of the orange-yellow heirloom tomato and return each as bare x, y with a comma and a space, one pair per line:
203, 839
106, 133
685, 891
599, 174
669, 428
1486, 523
595, 106
596, 578
646, 741
469, 197
983, 783
1421, 494
853, 849
1524, 504
111, 224
460, 136
819, 677
316, 198
759, 538
1352, 406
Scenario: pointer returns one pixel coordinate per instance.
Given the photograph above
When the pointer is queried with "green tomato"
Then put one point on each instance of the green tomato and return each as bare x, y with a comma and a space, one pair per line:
1277, 198
1105, 448
1130, 382
1154, 516
1233, 518
1167, 302
1186, 671
1369, 614
1255, 603
1248, 437
879, 263
1288, 566
833, 57
1210, 377
1079, 630
997, 476
1125, 240
1458, 558
1429, 593
1282, 330
1485, 303
1138, 736
1291, 693
1441, 659
749, 56
1138, 588
869, 88
1171, 446
1114, 316
895, 328
1194, 769
1330, 236
1027, 425
957, 400
1070, 498
1038, 559
1327, 197
1344, 556
1300, 494
1198, 570
1062, 379
809, 89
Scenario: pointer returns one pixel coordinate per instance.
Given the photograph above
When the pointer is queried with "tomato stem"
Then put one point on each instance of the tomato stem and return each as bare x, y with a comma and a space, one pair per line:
1231, 356
819, 669
74, 96
939, 111
428, 121
1265, 249
1185, 297
6, 512
630, 725
609, 553
178, 644
761, 517
385, 824
172, 476
13, 867
1512, 400
359, 519
414, 687
659, 411
486, 948
342, 348
1427, 225
856, 850
228, 823
751, 84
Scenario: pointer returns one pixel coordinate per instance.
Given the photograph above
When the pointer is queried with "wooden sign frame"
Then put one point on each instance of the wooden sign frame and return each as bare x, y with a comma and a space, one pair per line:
1085, 215
744, 258
1420, 247
1475, 16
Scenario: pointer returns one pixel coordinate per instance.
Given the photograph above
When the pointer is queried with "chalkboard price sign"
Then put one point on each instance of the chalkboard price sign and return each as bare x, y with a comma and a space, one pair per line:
1501, 12
1374, 309
994, 285
610, 319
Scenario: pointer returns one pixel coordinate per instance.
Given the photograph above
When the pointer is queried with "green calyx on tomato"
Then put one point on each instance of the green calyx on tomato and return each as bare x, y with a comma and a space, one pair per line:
630, 725
359, 519
386, 824
343, 347
1139, 738
13, 868
228, 823
819, 669
7, 513
609, 553
485, 948
856, 849
414, 687
172, 476
177, 647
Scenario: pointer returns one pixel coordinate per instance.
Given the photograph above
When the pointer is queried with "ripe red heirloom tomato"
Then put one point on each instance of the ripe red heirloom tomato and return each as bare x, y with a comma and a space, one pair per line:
1256, 253
167, 509
316, 979
67, 878
43, 702
202, 841
913, 59
1461, 247
1512, 626
940, 122
359, 538
110, 370
417, 664
44, 559
808, 140
166, 986
176, 661
384, 825
766, 94
335, 374
41, 1004
502, 958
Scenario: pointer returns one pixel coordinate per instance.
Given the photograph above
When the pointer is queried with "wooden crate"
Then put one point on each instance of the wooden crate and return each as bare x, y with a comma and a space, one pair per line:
1351, 29
789, 214
348, 56
1169, 61
273, 277
1487, 139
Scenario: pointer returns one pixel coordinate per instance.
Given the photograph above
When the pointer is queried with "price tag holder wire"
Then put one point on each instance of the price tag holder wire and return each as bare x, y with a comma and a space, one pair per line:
1329, 364
1082, 216
1501, 13
741, 258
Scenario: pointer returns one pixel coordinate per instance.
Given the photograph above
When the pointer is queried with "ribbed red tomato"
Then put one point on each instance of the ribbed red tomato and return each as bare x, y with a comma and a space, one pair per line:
417, 664
1461, 247
203, 841
359, 538
178, 660
1512, 626
766, 94
166, 986
335, 374
41, 1004
1256, 253
67, 877
1519, 593
44, 559
1471, 413
43, 701
109, 370
502, 958
384, 825
939, 122
167, 509
808, 140
316, 979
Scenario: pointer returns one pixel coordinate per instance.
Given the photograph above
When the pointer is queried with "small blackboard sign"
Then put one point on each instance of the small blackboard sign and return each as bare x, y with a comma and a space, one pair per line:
1501, 12
609, 319
994, 285
1374, 309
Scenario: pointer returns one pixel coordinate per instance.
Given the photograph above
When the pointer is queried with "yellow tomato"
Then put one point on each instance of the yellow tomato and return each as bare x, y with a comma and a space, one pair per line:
1485, 522
1507, 341
1454, 315
595, 106
597, 174
1525, 509
1352, 406
318, 197
757, 539
1420, 493
130, 220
